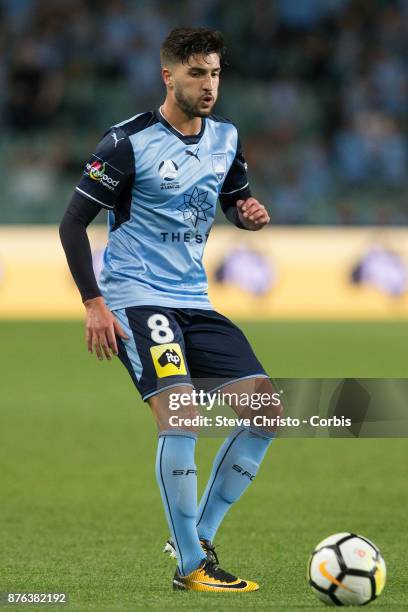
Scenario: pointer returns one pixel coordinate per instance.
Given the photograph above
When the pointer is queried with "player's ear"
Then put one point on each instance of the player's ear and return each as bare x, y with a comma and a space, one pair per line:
167, 77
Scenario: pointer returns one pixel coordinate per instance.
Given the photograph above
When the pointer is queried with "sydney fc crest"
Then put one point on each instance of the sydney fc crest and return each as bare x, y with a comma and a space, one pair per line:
219, 163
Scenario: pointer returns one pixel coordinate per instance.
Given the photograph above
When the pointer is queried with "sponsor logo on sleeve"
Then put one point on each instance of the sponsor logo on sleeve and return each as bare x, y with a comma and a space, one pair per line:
103, 173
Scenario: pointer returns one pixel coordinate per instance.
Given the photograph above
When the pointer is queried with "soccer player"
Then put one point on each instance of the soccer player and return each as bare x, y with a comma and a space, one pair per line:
159, 174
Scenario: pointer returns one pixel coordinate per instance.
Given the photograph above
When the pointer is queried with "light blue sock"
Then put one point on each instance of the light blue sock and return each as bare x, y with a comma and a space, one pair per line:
234, 468
176, 474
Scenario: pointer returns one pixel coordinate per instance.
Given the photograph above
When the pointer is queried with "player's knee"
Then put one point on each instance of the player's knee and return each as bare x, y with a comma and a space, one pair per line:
170, 414
271, 402
184, 418
187, 421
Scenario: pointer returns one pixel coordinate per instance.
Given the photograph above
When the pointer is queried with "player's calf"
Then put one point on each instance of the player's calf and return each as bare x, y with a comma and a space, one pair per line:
176, 475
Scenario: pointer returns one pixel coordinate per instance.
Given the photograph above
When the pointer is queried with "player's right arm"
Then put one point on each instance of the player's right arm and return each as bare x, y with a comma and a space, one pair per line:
106, 178
236, 200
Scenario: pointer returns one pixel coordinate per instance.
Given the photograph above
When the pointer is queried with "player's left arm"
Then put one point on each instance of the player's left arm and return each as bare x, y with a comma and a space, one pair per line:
237, 203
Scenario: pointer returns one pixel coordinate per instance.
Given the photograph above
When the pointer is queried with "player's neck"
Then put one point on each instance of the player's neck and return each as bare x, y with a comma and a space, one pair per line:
179, 121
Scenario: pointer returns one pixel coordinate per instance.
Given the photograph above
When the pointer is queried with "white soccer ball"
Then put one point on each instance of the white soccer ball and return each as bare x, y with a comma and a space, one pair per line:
168, 170
347, 570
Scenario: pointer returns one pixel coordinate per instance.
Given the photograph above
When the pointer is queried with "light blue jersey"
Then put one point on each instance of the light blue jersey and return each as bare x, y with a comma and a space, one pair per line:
161, 189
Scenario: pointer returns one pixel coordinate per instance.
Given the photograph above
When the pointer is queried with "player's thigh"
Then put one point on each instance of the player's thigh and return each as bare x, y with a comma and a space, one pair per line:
218, 351
154, 354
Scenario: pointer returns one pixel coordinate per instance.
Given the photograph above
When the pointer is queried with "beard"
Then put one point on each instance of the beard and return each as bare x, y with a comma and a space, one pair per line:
190, 109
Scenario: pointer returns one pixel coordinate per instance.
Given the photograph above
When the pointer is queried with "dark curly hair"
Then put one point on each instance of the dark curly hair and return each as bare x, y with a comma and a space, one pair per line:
182, 43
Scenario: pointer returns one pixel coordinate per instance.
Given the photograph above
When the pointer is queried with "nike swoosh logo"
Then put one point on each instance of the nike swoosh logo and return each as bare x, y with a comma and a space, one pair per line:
324, 572
239, 585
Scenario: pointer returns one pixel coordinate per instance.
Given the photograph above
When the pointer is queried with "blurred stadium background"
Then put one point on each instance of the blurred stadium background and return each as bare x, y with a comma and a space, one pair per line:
319, 91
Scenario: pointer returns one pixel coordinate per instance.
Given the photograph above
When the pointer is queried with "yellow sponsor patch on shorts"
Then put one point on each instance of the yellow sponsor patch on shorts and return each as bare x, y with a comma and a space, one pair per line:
168, 360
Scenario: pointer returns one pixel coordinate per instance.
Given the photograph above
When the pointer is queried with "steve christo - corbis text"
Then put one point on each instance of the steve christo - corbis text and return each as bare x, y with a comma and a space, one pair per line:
254, 401
257, 421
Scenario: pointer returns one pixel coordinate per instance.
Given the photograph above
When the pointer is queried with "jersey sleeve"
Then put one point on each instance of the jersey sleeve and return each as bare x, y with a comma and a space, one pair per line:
236, 184
80, 212
108, 171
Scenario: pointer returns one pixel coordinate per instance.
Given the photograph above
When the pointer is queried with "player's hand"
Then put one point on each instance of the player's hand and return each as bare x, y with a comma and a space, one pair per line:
252, 214
101, 327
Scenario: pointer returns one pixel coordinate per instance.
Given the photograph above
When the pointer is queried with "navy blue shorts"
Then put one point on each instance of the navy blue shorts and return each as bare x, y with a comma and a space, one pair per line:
172, 346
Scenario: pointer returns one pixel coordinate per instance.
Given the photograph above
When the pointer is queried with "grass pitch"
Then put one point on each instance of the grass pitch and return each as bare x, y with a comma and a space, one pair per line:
80, 510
